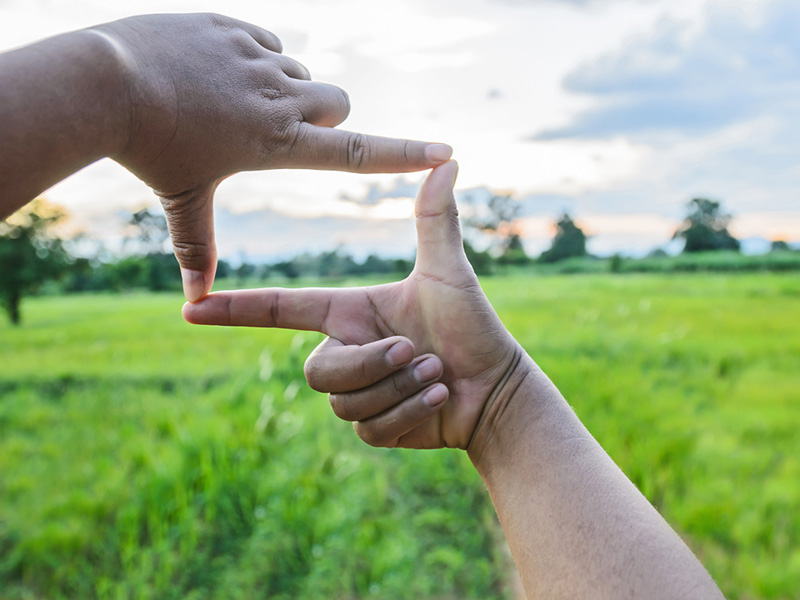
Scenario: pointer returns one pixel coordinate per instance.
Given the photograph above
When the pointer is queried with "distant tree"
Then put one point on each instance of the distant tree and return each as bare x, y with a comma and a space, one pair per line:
481, 261
706, 228
615, 264
244, 272
657, 253
499, 219
779, 246
513, 252
154, 268
223, 269
569, 241
376, 264
30, 253
147, 231
287, 268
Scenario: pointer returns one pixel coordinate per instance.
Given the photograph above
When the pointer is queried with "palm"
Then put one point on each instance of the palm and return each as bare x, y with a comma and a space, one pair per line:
445, 315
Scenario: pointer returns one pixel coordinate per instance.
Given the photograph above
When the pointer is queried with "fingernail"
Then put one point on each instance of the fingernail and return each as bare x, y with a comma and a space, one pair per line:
435, 396
438, 152
427, 370
194, 284
399, 354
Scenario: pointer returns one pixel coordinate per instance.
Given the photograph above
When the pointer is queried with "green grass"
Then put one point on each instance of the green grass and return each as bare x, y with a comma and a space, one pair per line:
141, 457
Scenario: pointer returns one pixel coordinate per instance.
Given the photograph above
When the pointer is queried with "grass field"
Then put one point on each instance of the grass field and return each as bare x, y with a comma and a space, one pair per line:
141, 457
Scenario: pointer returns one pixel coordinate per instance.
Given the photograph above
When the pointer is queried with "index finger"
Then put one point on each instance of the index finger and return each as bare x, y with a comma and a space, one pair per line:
339, 150
304, 309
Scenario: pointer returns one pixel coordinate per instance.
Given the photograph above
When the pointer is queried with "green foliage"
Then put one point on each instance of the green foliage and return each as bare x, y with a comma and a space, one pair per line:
156, 272
481, 261
30, 254
497, 218
779, 246
569, 241
141, 457
134, 463
706, 228
696, 404
698, 262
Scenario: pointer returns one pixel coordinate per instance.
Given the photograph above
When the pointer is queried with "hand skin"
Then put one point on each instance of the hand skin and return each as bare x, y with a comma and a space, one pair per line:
182, 101
576, 526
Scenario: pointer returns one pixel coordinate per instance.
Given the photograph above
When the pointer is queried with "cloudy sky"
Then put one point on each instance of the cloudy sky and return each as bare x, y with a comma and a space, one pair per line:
619, 112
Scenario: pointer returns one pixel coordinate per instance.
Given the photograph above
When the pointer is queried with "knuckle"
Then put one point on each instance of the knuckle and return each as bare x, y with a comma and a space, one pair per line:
344, 98
186, 251
312, 374
217, 20
341, 407
358, 151
369, 436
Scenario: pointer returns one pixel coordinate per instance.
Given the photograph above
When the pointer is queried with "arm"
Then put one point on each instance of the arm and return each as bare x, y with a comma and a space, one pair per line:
182, 101
576, 526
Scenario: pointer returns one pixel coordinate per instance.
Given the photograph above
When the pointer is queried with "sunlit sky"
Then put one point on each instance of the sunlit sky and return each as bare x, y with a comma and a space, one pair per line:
619, 112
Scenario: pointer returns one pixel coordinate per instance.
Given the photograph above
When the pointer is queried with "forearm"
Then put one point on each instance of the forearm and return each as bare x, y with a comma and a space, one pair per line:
62, 107
576, 526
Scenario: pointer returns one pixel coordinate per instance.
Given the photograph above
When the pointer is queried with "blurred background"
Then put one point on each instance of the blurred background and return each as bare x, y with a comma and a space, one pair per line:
628, 192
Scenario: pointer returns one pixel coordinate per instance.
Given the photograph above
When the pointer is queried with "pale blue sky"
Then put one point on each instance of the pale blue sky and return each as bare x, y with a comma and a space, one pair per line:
619, 111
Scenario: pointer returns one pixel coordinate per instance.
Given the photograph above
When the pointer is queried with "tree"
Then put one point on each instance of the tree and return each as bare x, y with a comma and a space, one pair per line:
30, 253
779, 246
706, 228
568, 242
156, 269
148, 231
498, 218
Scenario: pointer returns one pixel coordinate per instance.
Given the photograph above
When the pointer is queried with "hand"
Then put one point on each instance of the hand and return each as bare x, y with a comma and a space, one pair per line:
210, 96
439, 310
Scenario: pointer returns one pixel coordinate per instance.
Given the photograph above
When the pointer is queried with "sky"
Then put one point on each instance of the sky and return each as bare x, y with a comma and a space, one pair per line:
617, 111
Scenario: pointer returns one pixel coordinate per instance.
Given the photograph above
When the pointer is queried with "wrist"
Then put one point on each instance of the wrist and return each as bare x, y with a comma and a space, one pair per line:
511, 415
501, 401
112, 76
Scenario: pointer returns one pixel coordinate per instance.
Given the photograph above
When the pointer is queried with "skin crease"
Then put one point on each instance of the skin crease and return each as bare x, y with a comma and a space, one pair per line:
576, 526
182, 101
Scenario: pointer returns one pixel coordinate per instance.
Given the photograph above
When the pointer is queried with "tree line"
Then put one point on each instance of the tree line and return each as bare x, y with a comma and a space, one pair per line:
33, 256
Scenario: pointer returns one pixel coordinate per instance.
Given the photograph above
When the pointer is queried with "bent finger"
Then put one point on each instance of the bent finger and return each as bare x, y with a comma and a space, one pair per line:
339, 150
379, 397
265, 38
334, 367
190, 219
386, 429
322, 104
290, 67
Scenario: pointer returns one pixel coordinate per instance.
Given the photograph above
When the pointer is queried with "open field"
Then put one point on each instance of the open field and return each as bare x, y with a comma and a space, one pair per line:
141, 457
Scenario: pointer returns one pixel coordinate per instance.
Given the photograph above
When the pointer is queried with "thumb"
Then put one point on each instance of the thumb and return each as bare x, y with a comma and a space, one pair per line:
190, 218
439, 245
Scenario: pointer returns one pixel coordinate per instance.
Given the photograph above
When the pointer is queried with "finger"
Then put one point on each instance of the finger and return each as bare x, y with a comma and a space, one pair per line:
335, 367
265, 38
370, 401
338, 150
387, 428
305, 309
439, 245
190, 219
290, 67
421, 436
321, 104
